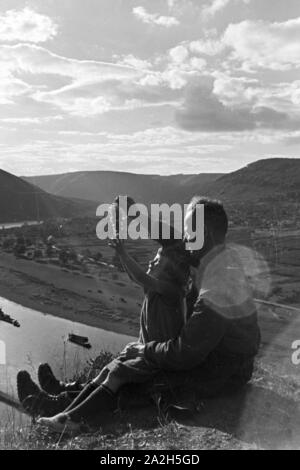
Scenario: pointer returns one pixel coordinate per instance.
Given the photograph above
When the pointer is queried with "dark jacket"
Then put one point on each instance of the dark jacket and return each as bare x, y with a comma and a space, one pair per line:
205, 331
224, 319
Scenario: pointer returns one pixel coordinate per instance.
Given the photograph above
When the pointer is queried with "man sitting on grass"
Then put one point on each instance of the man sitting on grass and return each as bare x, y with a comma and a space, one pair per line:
213, 352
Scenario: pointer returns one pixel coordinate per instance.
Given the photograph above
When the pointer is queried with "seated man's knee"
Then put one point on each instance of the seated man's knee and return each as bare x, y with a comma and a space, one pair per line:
114, 382
101, 376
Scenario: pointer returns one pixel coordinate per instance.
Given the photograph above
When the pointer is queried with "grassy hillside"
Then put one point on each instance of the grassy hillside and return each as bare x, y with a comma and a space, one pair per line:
264, 416
20, 200
103, 186
274, 179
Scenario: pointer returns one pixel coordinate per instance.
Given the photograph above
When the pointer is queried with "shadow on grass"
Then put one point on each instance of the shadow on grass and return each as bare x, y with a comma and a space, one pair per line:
256, 415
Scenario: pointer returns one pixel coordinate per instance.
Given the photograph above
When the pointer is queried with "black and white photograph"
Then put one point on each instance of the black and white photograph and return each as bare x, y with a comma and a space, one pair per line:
149, 228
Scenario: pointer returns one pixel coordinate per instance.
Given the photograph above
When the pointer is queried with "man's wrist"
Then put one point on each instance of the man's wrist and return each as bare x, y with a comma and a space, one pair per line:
142, 351
146, 354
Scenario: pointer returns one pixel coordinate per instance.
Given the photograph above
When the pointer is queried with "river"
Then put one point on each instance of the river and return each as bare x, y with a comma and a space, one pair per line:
8, 225
42, 338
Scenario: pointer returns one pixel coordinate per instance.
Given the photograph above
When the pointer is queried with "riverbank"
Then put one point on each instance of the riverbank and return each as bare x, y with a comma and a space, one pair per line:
106, 299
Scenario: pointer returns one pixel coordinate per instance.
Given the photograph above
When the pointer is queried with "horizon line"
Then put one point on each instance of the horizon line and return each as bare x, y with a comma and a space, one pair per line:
151, 174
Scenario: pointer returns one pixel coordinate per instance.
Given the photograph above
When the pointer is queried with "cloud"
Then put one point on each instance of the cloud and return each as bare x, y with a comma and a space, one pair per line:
154, 137
175, 76
209, 47
90, 87
85, 78
215, 6
168, 71
264, 44
31, 120
177, 68
153, 18
85, 107
203, 111
293, 139
171, 4
239, 91
236, 91
179, 54
160, 147
11, 87
34, 59
110, 95
26, 25
150, 141
134, 61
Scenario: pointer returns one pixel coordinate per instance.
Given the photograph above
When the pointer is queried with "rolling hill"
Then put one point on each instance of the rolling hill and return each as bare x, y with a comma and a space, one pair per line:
274, 179
103, 186
20, 201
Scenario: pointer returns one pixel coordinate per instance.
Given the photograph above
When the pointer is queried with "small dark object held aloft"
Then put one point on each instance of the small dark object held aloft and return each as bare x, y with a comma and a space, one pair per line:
7, 319
79, 340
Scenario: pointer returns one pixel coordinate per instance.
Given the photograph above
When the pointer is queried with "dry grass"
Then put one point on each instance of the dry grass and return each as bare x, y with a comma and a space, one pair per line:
265, 416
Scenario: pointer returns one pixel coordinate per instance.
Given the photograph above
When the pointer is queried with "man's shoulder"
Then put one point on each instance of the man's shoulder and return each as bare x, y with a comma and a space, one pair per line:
228, 308
204, 309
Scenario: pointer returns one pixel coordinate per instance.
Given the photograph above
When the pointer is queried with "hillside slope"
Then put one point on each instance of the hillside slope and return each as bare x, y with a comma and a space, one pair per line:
276, 179
273, 179
20, 200
103, 186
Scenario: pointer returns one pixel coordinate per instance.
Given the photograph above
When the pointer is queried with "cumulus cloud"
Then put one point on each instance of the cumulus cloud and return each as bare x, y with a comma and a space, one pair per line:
239, 91
208, 46
175, 76
235, 91
26, 25
264, 44
179, 54
178, 67
203, 111
153, 18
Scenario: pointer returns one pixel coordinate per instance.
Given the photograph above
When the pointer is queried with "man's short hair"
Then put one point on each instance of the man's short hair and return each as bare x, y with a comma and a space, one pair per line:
215, 217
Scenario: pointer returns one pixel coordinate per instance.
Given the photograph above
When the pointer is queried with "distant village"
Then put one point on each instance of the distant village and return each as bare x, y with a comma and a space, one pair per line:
52, 242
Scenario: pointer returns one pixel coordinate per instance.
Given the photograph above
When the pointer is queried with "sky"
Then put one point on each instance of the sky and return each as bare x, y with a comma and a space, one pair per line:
156, 86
